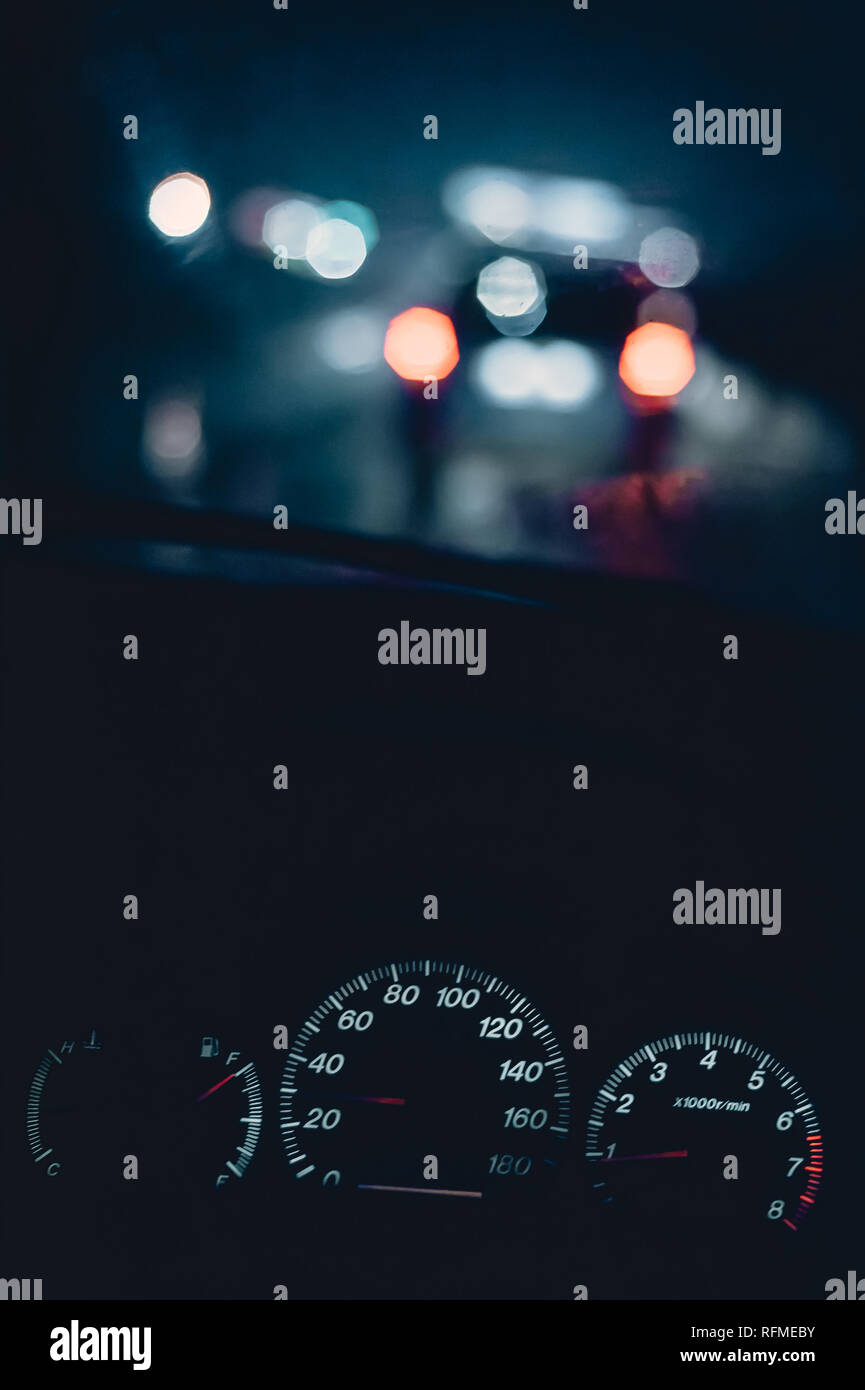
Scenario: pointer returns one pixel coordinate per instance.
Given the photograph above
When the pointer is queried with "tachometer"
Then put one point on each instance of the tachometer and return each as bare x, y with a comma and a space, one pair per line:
698, 1127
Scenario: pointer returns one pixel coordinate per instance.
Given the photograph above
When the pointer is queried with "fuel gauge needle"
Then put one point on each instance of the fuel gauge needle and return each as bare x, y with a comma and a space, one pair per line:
223, 1082
632, 1158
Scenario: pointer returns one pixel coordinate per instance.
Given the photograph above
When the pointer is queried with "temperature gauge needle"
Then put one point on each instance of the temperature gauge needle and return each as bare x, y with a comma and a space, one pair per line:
632, 1158
225, 1079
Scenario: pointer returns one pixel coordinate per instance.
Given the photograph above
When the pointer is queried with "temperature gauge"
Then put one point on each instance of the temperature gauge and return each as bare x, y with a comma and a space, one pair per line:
70, 1111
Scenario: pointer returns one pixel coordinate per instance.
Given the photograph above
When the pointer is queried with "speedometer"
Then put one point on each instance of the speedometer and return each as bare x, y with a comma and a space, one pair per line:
424, 1078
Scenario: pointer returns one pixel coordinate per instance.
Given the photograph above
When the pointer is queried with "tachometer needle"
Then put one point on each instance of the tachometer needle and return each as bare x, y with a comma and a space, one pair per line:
632, 1158
230, 1077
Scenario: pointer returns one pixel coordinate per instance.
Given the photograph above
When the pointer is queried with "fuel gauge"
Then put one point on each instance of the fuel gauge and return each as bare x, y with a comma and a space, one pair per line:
218, 1109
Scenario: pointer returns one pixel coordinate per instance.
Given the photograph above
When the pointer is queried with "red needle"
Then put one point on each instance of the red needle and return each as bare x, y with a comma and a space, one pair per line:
630, 1158
370, 1100
230, 1077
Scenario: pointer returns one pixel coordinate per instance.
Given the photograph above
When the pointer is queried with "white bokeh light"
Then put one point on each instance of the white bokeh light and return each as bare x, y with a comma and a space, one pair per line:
566, 374
288, 226
493, 201
509, 287
669, 258
554, 375
498, 209
580, 210
504, 372
336, 249
179, 205
541, 213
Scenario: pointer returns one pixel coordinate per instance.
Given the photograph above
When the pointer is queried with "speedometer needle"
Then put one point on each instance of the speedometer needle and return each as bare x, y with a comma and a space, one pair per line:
631, 1158
370, 1100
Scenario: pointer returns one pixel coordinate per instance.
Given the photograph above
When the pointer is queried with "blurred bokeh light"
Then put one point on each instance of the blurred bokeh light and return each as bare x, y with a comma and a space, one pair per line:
582, 210
288, 225
669, 258
495, 202
335, 248
538, 213
172, 442
179, 205
421, 343
555, 374
512, 289
657, 360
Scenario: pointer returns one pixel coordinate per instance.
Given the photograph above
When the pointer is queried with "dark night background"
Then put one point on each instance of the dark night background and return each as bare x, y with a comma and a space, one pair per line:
259, 647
